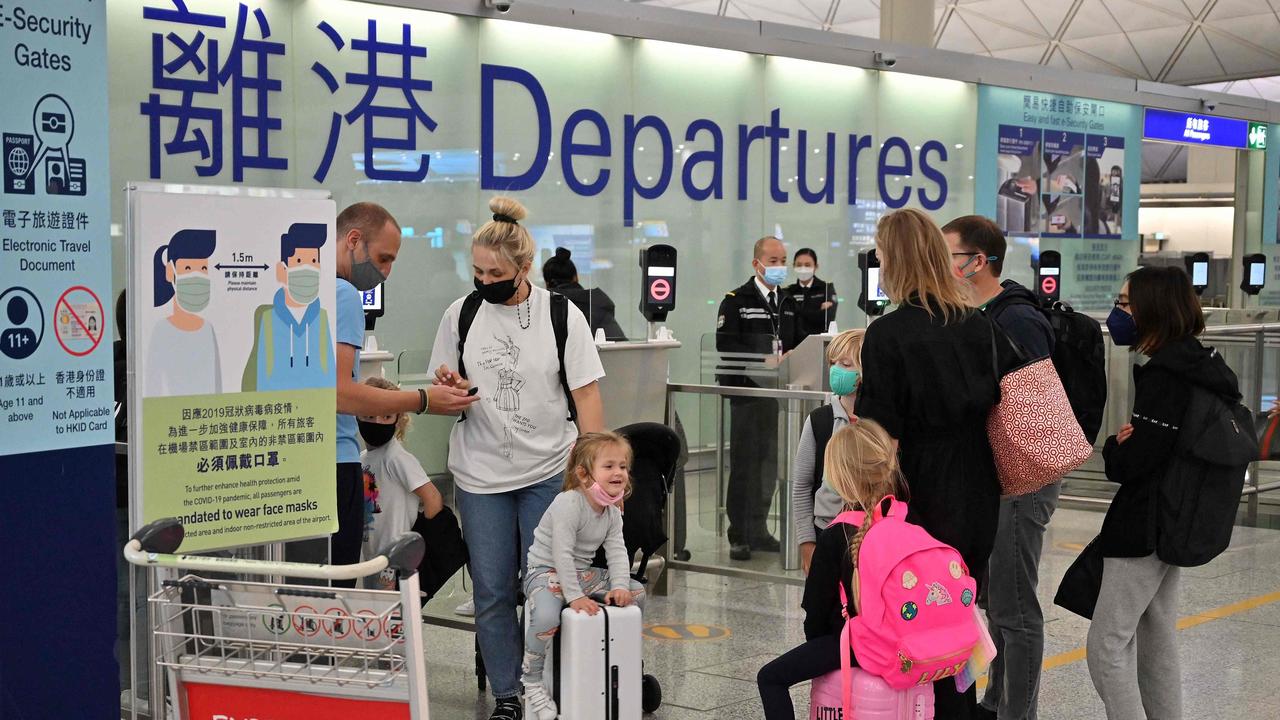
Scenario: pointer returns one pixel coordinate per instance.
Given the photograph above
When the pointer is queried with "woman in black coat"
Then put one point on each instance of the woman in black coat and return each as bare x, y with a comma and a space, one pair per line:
930, 378
561, 275
1133, 652
815, 296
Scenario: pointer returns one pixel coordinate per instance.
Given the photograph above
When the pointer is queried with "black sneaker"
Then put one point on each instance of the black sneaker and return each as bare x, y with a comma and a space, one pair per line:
739, 551
766, 543
508, 709
982, 713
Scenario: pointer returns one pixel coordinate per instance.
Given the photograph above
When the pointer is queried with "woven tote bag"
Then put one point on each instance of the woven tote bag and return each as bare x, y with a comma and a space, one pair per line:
1034, 435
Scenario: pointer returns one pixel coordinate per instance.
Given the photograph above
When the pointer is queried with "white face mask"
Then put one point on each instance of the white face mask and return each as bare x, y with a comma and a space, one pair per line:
804, 273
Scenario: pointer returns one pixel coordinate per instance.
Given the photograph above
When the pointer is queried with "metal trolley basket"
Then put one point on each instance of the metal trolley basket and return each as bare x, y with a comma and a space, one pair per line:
236, 648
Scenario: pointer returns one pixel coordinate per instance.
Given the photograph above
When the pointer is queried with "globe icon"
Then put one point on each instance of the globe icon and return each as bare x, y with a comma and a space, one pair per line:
19, 161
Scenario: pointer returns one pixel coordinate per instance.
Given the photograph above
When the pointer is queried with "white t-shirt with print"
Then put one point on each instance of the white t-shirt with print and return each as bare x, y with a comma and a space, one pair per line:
391, 475
518, 433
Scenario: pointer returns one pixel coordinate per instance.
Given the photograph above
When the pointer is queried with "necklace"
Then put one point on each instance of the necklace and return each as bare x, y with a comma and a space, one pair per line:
525, 318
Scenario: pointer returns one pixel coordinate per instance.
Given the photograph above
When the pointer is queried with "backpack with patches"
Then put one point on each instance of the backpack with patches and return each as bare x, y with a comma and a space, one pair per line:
915, 620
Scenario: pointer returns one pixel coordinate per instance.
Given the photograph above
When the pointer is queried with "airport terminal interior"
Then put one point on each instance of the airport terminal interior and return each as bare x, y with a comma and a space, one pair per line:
226, 220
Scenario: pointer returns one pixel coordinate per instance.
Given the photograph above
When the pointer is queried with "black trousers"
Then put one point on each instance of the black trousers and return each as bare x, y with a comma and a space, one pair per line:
813, 659
344, 545
753, 466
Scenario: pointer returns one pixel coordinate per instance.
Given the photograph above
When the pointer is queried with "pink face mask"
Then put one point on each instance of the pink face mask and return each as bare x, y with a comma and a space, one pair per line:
597, 493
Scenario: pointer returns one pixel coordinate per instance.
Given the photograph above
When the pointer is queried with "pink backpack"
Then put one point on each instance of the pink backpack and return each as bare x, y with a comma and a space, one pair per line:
915, 624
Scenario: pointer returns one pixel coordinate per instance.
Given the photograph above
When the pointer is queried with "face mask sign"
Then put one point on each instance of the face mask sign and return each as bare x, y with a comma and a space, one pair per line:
191, 290
304, 284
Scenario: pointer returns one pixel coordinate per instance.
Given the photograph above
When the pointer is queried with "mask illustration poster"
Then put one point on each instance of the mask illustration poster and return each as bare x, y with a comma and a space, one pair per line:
232, 323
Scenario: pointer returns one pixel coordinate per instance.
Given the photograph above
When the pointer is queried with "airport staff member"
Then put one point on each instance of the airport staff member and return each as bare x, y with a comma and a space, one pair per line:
368, 242
815, 296
759, 317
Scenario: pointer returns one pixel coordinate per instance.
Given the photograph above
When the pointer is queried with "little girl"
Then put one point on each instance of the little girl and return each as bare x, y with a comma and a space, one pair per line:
813, 502
582, 518
394, 485
862, 468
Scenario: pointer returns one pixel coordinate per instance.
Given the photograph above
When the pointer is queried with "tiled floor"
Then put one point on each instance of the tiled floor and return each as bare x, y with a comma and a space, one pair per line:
1229, 662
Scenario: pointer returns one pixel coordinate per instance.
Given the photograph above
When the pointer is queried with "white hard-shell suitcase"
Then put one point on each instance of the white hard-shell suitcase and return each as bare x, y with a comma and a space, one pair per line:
594, 665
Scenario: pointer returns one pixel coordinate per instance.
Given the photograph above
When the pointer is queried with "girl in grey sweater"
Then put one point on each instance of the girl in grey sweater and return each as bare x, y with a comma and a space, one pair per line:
581, 520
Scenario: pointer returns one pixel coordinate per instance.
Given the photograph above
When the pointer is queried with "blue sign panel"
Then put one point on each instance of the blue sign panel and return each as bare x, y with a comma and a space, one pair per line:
1194, 129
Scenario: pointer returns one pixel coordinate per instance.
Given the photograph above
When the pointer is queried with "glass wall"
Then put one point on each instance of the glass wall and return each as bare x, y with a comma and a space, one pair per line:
612, 143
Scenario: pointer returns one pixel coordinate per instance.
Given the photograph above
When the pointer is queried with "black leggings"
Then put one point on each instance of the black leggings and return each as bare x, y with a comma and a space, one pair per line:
344, 545
813, 659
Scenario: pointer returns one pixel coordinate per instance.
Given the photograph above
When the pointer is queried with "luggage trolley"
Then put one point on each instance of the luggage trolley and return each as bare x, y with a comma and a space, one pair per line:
233, 648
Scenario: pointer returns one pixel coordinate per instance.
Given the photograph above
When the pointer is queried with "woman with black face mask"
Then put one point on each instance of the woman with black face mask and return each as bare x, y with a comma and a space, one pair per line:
508, 453
560, 275
1158, 315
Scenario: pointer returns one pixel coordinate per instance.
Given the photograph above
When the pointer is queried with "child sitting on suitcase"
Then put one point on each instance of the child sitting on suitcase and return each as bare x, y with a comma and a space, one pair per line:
582, 519
908, 598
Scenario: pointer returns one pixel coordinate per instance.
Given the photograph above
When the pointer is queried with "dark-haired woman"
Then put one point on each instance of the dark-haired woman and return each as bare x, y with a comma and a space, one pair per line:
1133, 653
816, 297
560, 275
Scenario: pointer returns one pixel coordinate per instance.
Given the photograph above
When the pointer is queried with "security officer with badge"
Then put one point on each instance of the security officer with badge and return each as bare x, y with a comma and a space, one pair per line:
758, 318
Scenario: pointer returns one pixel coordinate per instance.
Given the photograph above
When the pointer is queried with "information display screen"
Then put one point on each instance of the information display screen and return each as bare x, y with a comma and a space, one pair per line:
372, 299
1200, 273
1257, 274
873, 282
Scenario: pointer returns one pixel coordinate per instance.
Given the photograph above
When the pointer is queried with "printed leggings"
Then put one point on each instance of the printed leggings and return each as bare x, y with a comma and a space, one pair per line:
543, 602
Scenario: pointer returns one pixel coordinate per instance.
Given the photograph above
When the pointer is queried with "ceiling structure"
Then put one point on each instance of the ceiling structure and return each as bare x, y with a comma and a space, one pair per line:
1185, 42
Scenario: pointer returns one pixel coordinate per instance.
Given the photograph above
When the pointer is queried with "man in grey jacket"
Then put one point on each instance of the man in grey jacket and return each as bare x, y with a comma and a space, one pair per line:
1017, 621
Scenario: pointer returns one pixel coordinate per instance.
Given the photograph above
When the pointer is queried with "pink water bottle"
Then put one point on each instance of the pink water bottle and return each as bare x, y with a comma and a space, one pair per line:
872, 699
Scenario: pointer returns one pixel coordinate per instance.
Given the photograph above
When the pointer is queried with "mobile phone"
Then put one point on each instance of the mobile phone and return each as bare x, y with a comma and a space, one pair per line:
473, 390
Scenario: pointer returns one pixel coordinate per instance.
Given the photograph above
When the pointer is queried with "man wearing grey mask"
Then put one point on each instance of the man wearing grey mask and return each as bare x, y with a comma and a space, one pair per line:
368, 242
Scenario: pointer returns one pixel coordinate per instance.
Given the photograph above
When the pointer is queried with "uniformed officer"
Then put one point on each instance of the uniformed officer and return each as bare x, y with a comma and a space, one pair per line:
815, 297
760, 318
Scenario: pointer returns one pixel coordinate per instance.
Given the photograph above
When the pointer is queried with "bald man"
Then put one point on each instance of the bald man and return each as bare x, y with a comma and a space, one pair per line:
758, 318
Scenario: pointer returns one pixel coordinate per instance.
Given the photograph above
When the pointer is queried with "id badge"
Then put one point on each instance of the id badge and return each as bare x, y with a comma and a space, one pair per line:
777, 346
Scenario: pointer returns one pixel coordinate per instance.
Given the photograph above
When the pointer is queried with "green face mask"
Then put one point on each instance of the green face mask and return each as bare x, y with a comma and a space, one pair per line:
843, 380
192, 291
304, 284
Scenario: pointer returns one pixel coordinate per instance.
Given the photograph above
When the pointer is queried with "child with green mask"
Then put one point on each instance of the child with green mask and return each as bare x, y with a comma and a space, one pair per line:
812, 502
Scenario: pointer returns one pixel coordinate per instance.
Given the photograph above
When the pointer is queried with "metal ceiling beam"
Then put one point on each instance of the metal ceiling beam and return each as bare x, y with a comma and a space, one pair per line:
947, 12
1186, 40
724, 8
830, 19
1168, 162
1062, 30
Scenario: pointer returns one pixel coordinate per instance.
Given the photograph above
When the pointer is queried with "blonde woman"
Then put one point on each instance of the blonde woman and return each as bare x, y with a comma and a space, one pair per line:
861, 464
813, 502
508, 453
928, 376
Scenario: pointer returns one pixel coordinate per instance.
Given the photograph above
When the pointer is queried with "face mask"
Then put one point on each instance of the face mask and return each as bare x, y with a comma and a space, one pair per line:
599, 494
496, 292
364, 274
967, 263
192, 291
304, 284
1124, 331
804, 273
775, 275
376, 434
843, 380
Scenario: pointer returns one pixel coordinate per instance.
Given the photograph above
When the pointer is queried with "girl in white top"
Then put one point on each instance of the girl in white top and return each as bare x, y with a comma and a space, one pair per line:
581, 520
508, 454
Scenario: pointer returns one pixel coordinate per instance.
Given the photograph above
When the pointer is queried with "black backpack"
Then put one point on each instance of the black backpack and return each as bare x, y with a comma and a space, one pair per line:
822, 421
559, 326
1080, 358
1200, 493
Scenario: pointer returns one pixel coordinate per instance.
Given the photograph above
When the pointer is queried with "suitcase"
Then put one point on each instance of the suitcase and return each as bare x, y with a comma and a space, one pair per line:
872, 699
594, 665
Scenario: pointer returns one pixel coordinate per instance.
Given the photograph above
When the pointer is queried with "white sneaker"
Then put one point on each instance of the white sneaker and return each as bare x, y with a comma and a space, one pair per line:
538, 704
466, 609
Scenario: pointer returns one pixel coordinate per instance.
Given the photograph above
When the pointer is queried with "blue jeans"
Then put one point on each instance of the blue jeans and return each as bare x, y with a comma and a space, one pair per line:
1016, 620
498, 530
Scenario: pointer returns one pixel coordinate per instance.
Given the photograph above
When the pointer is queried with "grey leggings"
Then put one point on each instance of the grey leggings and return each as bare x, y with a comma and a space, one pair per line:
543, 602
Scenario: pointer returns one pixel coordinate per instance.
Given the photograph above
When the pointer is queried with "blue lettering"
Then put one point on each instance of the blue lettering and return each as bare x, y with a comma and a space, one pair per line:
903, 169
827, 192
631, 184
776, 133
746, 136
568, 149
715, 156
489, 179
856, 145
933, 174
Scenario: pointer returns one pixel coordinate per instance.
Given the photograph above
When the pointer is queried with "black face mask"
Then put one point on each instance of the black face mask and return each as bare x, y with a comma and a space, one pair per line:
496, 292
376, 434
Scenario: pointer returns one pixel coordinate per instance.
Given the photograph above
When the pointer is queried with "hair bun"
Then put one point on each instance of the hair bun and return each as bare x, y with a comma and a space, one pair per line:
510, 207
563, 253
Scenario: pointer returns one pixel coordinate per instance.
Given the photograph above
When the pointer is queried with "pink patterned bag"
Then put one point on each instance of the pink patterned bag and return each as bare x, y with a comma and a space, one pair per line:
872, 698
1034, 435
